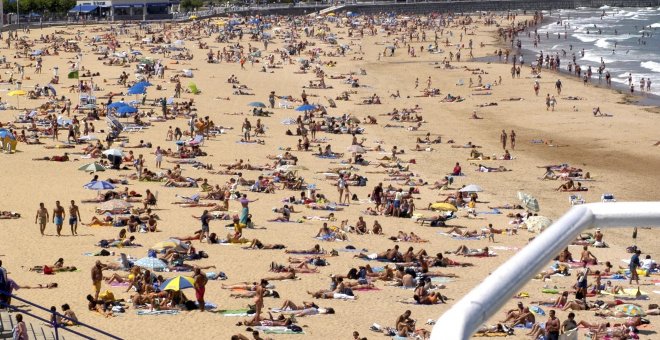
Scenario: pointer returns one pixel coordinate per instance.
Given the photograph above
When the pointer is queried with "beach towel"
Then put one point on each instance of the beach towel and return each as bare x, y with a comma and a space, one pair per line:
276, 330
233, 312
157, 312
627, 292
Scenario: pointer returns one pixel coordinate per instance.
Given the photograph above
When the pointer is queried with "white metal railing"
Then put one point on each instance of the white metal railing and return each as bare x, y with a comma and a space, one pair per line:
475, 308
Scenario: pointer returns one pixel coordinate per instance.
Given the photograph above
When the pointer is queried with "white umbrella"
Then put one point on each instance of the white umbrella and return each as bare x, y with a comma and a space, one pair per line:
113, 152
471, 188
531, 203
356, 149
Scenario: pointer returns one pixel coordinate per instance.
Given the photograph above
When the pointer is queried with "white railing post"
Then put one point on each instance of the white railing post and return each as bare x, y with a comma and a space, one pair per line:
475, 308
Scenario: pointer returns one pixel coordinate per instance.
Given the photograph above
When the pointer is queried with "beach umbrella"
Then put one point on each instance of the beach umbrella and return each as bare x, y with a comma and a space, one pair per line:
137, 89
178, 283
151, 263
630, 310
537, 310
443, 206
356, 149
144, 83
126, 111
92, 167
537, 224
257, 104
99, 185
17, 93
52, 89
530, 203
115, 205
471, 188
116, 105
169, 244
306, 107
113, 152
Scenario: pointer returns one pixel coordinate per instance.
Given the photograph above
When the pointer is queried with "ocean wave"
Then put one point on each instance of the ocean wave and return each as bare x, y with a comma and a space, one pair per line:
651, 65
602, 43
585, 37
604, 7
656, 25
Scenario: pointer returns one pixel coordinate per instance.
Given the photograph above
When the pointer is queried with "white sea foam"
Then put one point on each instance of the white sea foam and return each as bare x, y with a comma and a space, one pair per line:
651, 65
602, 43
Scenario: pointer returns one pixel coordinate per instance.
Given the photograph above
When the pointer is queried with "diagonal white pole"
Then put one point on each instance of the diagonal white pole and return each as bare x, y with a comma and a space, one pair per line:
475, 308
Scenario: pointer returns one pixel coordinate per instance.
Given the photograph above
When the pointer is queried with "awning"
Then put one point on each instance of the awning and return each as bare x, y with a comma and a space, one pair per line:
159, 4
83, 9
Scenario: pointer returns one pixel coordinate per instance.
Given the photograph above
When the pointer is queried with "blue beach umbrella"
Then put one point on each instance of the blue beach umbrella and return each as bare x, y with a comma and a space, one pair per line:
305, 107
144, 83
151, 263
137, 89
126, 111
116, 105
99, 185
257, 104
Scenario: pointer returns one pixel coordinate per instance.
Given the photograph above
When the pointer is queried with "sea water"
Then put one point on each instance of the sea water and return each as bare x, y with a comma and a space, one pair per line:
626, 40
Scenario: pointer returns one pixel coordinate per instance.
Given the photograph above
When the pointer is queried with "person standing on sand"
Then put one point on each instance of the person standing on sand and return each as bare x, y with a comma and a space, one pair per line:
205, 218
74, 217
503, 139
513, 139
41, 218
552, 327
97, 278
260, 290
58, 217
558, 86
199, 284
634, 264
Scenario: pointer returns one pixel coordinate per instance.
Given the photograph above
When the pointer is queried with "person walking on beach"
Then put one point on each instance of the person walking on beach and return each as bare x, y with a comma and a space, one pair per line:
634, 264
558, 87
58, 217
503, 139
74, 217
199, 284
512, 135
41, 218
552, 327
97, 278
205, 218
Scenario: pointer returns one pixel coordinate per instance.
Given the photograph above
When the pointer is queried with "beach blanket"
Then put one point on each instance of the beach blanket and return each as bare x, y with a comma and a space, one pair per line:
275, 330
233, 312
463, 238
157, 312
627, 292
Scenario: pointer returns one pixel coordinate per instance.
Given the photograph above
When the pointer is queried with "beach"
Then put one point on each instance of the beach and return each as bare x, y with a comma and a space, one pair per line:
617, 151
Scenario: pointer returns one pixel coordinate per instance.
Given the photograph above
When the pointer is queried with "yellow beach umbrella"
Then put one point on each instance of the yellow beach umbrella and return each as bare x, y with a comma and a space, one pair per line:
178, 283
443, 206
17, 93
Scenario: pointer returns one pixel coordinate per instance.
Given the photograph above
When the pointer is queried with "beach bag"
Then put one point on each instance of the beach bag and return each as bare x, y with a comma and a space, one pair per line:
296, 328
104, 252
152, 253
48, 270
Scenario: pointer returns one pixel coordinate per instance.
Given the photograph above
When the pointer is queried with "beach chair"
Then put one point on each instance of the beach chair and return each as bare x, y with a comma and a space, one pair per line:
197, 141
285, 105
576, 199
607, 198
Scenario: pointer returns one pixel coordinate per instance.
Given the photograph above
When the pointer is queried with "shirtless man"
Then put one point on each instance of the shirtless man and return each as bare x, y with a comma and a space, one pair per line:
200, 288
41, 218
552, 327
587, 257
97, 278
58, 217
74, 217
404, 324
